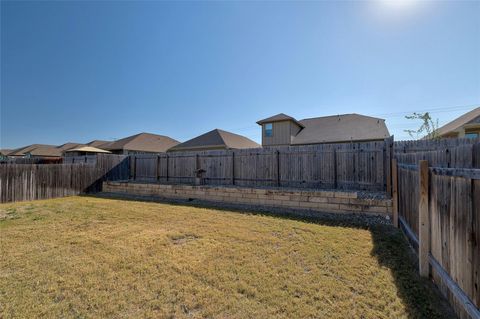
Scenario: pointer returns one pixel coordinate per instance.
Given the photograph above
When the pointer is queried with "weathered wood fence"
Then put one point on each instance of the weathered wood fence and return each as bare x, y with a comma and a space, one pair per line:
359, 166
436, 189
31, 160
85, 159
20, 182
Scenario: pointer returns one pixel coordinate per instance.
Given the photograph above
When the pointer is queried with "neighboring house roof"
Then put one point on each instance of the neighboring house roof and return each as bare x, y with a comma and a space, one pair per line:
98, 143
69, 145
457, 123
87, 149
46, 151
278, 118
341, 128
216, 139
5, 152
143, 142
37, 150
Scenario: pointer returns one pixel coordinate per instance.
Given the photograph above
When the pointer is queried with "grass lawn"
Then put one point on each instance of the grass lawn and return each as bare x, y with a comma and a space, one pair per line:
85, 257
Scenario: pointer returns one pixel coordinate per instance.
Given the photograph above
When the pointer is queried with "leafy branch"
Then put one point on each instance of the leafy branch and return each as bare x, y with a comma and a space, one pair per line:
428, 128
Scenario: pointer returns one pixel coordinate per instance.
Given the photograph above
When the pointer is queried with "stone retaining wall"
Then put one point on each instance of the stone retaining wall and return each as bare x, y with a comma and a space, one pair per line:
325, 201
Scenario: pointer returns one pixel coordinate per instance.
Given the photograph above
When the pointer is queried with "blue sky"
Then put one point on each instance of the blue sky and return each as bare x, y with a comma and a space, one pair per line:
78, 71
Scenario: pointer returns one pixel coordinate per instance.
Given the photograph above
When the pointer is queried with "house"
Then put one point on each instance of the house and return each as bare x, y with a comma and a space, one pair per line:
215, 140
85, 150
284, 130
141, 143
467, 125
37, 151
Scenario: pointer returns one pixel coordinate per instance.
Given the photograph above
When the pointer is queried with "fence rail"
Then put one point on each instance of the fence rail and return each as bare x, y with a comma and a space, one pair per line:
19, 182
443, 223
361, 166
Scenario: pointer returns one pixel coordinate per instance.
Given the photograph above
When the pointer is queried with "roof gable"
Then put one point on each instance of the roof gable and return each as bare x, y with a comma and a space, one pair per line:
216, 139
278, 118
143, 142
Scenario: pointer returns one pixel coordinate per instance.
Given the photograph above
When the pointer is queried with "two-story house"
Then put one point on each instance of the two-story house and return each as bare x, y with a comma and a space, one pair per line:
284, 130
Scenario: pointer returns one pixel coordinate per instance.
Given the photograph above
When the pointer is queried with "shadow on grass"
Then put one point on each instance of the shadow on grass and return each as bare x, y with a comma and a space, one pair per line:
420, 296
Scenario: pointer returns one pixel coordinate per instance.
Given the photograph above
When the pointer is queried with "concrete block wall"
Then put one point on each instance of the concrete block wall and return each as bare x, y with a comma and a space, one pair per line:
325, 201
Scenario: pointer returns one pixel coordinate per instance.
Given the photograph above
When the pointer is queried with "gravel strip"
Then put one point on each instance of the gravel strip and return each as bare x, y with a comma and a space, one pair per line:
360, 220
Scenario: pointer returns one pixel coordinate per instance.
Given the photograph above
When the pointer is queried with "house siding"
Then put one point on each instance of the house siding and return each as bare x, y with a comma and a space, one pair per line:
283, 133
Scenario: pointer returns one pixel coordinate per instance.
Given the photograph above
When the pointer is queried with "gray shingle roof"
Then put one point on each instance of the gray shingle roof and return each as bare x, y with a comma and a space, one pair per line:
216, 139
143, 142
37, 150
69, 145
341, 128
98, 143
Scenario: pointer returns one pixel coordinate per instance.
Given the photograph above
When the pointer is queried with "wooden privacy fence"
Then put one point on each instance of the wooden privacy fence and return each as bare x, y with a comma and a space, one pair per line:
359, 166
19, 182
31, 160
437, 203
85, 159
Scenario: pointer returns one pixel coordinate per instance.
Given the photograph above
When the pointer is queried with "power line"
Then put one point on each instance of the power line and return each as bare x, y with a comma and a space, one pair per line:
438, 109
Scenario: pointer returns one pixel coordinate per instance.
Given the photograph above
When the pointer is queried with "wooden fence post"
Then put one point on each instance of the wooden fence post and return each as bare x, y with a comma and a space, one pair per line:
424, 220
197, 162
133, 160
233, 167
335, 183
388, 169
158, 168
355, 161
167, 168
135, 168
278, 168
395, 192
197, 179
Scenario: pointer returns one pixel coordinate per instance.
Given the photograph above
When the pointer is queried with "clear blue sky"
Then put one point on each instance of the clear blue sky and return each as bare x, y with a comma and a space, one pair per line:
78, 71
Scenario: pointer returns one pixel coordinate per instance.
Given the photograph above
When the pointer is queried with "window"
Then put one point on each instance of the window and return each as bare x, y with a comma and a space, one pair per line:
268, 129
471, 135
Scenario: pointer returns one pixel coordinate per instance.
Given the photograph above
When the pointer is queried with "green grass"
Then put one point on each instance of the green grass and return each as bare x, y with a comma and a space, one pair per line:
84, 257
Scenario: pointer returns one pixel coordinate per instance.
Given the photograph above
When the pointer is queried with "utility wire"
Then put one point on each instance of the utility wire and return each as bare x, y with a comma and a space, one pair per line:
390, 115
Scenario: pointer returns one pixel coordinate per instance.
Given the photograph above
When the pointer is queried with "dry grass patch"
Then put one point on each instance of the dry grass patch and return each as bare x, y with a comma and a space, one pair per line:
83, 257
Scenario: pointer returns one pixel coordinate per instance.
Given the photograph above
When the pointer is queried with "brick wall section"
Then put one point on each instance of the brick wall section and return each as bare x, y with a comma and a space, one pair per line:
326, 201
